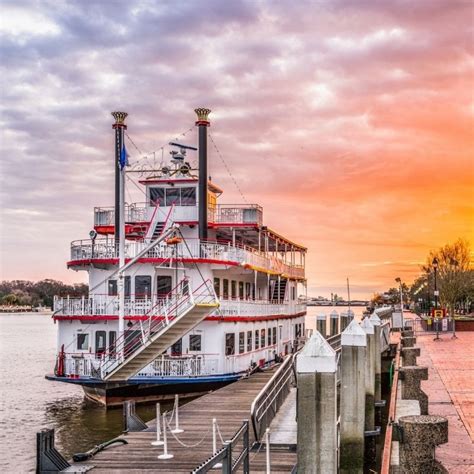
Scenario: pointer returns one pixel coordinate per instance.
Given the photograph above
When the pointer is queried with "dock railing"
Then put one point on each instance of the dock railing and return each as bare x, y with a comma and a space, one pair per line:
387, 448
228, 455
274, 393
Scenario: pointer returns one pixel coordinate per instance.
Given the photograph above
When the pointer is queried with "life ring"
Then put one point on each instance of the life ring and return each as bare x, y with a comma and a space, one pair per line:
174, 241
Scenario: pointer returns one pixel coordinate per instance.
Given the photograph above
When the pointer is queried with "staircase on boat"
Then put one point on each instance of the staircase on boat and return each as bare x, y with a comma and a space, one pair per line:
278, 290
165, 324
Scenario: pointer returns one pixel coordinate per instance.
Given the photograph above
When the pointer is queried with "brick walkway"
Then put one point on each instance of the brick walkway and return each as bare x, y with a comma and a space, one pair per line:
450, 389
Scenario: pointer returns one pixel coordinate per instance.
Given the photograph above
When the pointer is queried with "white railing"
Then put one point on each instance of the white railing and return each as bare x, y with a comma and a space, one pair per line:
136, 212
236, 214
192, 248
258, 308
100, 305
88, 365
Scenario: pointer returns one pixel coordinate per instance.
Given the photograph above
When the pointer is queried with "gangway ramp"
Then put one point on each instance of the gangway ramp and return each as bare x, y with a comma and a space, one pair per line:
166, 324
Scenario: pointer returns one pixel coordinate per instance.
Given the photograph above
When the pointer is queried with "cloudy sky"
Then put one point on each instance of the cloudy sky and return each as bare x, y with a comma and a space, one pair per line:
351, 122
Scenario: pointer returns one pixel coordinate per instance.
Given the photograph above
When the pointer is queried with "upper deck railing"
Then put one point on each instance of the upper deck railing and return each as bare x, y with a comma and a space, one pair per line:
193, 249
220, 214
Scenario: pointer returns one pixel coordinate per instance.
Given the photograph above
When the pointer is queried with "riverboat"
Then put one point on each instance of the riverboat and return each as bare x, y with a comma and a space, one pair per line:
186, 294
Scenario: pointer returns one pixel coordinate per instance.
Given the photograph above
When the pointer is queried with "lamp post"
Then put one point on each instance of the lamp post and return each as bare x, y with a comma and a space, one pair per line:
455, 264
399, 281
436, 294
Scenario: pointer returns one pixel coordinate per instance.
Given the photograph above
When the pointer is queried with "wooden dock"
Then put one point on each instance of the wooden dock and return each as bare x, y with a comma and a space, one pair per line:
230, 405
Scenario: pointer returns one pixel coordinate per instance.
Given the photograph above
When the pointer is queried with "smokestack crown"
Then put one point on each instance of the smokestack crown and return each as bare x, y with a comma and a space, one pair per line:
202, 116
119, 119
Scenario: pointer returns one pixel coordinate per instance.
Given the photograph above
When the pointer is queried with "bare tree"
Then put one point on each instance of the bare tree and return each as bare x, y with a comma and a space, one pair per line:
454, 272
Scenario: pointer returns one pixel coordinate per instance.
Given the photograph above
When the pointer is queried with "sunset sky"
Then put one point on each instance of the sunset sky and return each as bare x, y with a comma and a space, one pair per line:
350, 122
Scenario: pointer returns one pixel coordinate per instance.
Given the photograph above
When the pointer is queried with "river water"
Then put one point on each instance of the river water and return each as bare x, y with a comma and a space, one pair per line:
29, 403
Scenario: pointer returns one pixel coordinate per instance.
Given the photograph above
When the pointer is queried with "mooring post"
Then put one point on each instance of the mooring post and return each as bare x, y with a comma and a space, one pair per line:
353, 353
321, 324
369, 427
316, 368
375, 320
333, 323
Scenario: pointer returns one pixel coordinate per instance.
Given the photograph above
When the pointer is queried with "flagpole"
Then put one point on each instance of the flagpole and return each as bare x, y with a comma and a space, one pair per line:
122, 253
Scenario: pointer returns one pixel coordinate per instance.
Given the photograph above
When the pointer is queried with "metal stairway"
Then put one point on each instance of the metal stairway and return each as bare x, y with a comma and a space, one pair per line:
166, 324
279, 291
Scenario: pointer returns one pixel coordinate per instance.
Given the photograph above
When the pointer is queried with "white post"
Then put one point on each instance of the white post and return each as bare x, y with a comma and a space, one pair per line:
401, 303
158, 441
165, 454
214, 442
267, 450
177, 429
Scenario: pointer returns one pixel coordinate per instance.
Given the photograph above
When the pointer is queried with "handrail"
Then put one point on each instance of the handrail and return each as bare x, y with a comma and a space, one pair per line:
276, 384
269, 393
387, 447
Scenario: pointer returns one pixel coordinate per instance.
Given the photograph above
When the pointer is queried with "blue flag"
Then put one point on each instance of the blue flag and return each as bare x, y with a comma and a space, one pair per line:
123, 158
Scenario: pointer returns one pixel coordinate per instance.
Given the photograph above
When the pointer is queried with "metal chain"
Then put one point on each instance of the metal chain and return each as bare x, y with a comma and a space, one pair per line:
184, 444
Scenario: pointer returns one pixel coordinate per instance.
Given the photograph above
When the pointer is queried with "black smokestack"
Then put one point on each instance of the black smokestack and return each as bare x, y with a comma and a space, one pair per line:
202, 123
119, 127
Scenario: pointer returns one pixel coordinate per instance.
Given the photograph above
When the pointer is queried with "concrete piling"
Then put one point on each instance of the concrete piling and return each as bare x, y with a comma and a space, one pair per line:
411, 377
345, 320
316, 368
375, 320
353, 353
369, 425
419, 436
321, 323
334, 323
408, 341
409, 355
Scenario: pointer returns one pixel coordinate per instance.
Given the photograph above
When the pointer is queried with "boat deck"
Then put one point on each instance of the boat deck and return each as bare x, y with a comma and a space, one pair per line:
230, 405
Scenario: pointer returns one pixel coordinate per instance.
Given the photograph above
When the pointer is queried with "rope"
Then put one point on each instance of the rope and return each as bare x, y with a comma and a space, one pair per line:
219, 154
184, 444
219, 433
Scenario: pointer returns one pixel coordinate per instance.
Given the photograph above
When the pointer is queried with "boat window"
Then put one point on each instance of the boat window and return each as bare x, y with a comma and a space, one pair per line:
112, 339
233, 286
195, 342
241, 342
269, 340
217, 286
172, 197
188, 196
177, 348
225, 288
143, 286
262, 338
82, 341
293, 293
248, 291
241, 290
163, 285
157, 196
229, 344
100, 342
112, 288
257, 339
127, 286
281, 332
274, 340
249, 341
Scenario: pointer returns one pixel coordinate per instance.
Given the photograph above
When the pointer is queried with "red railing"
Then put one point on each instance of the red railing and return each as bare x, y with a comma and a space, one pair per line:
387, 447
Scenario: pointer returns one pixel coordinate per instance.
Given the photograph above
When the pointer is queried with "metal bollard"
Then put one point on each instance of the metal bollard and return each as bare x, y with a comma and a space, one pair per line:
158, 441
267, 450
177, 429
214, 442
165, 454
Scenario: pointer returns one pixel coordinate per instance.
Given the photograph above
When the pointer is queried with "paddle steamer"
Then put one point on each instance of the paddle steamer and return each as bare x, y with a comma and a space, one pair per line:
185, 293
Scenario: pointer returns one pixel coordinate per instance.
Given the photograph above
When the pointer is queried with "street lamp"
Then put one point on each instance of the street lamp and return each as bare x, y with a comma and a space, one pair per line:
399, 281
436, 294
455, 264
